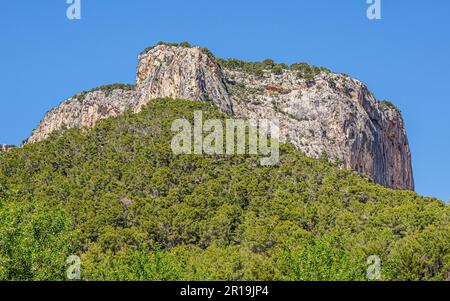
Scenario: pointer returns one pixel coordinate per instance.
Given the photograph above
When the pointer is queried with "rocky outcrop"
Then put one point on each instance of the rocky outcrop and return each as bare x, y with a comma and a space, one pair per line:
84, 110
325, 113
5, 147
329, 114
181, 72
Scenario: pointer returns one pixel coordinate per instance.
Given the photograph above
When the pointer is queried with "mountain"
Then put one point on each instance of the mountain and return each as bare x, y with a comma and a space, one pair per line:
320, 112
116, 196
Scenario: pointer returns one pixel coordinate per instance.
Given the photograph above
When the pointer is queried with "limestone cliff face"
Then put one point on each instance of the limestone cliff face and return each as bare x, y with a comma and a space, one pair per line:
181, 72
84, 110
327, 113
331, 114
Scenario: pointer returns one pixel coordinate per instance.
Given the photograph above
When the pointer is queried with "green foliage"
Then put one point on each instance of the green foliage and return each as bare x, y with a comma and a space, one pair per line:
424, 255
387, 104
143, 264
208, 53
306, 71
255, 68
331, 82
35, 241
268, 64
157, 44
278, 69
303, 69
119, 198
323, 259
182, 44
107, 89
185, 44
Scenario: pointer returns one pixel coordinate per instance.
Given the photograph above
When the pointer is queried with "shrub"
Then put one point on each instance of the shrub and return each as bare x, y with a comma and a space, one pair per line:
107, 89
185, 44
387, 104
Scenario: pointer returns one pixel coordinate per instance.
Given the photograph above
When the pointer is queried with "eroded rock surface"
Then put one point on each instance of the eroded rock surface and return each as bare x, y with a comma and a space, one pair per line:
327, 113
181, 72
331, 114
84, 110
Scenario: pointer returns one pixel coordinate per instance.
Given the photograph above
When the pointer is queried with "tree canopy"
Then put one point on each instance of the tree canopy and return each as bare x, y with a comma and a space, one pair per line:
117, 197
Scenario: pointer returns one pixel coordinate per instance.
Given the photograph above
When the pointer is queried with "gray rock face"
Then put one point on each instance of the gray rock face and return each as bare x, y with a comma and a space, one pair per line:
329, 113
84, 110
5, 147
179, 72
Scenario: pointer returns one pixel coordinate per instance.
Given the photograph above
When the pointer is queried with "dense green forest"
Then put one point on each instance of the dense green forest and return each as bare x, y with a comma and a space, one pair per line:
117, 197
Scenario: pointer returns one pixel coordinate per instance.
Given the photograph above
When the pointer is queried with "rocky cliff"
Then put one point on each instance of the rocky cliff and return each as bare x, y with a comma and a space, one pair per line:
320, 112
329, 114
181, 72
85, 109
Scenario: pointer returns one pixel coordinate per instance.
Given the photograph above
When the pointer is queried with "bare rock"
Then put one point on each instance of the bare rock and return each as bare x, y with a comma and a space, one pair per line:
331, 114
84, 110
181, 72
327, 113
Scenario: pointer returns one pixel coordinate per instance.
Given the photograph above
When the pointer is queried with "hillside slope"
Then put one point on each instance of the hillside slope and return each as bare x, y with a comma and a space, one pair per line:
119, 198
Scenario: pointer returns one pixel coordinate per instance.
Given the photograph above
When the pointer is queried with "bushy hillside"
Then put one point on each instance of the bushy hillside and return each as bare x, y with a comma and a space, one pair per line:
120, 199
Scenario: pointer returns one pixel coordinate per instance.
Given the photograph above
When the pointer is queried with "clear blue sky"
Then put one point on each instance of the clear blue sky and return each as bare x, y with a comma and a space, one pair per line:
46, 58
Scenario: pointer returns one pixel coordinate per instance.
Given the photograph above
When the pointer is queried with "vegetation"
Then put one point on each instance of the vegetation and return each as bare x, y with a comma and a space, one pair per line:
306, 71
107, 89
387, 104
182, 44
120, 199
256, 68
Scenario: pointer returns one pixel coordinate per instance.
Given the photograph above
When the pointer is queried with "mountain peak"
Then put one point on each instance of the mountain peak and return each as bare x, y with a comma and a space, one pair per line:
170, 70
319, 111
